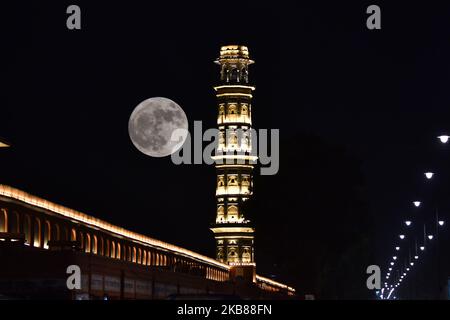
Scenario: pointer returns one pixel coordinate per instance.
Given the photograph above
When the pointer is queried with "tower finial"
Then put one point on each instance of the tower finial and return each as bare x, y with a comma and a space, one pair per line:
234, 61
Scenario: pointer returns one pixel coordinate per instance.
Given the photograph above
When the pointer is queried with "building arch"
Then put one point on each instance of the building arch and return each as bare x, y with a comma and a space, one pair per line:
27, 229
94, 244
107, 248
101, 249
81, 239
232, 109
139, 256
14, 222
150, 258
124, 252
56, 232
47, 234
129, 257
87, 243
244, 109
113, 250
144, 257
3, 220
73, 235
37, 233
65, 234
119, 251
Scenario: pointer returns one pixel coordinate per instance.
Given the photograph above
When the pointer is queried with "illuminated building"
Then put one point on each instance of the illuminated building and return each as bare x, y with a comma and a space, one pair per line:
116, 263
234, 234
121, 264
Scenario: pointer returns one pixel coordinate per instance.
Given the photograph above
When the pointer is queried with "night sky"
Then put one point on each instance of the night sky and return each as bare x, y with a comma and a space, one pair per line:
358, 112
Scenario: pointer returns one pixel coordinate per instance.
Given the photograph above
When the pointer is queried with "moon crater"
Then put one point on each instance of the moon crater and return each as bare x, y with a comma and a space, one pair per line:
152, 124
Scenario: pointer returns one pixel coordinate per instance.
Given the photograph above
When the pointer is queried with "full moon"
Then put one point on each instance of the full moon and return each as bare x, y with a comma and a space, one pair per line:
158, 127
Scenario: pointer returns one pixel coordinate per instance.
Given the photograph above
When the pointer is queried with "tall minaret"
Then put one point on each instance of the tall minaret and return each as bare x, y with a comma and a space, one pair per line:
234, 161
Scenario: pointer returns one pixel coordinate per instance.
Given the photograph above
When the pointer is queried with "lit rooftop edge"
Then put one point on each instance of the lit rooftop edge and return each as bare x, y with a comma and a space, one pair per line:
16, 194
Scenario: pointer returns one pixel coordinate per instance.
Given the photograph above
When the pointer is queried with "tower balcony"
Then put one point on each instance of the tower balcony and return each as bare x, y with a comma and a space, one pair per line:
231, 148
230, 222
234, 91
234, 159
233, 190
235, 230
234, 119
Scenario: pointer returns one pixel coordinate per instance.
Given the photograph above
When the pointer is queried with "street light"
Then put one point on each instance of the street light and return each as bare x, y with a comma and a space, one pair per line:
441, 222
394, 257
430, 236
402, 236
390, 269
416, 203
411, 263
392, 263
407, 269
429, 175
416, 257
408, 223
422, 248
397, 248
444, 138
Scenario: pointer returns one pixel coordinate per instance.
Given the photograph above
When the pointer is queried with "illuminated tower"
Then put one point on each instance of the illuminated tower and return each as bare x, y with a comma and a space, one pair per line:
234, 161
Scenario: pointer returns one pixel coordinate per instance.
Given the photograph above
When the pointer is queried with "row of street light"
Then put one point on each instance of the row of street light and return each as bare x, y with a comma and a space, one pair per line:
397, 271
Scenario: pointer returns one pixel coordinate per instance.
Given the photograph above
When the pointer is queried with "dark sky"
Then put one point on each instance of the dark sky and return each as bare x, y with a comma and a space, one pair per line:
382, 96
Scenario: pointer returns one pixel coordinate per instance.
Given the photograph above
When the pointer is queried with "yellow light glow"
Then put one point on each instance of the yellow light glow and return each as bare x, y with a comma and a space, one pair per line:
11, 193
274, 283
3, 144
230, 190
238, 94
239, 264
233, 53
234, 166
242, 119
233, 50
233, 237
235, 157
225, 149
17, 194
234, 86
233, 229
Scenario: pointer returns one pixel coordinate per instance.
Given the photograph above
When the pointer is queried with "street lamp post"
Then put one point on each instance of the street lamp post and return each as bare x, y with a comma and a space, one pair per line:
444, 138
439, 223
